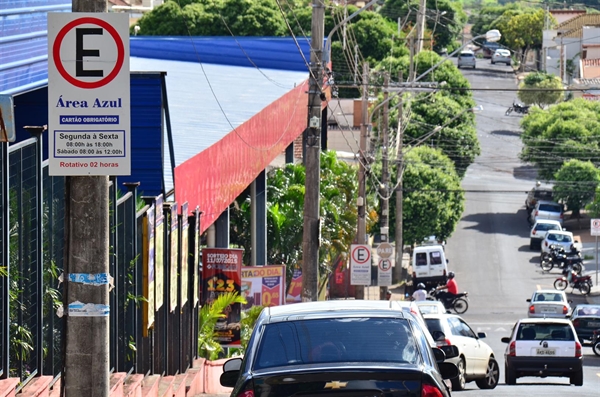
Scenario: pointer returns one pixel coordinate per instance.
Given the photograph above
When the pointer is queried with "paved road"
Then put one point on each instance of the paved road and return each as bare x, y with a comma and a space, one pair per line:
490, 249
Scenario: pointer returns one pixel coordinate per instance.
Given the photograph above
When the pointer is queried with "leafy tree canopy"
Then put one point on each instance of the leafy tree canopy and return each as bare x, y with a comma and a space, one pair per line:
533, 89
489, 16
576, 183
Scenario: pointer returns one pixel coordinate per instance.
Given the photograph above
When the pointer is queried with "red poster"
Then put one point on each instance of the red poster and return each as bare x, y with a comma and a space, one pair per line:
295, 291
222, 272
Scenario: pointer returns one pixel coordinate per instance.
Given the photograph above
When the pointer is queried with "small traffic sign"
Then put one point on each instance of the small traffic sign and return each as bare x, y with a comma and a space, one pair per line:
360, 264
385, 250
384, 274
88, 94
595, 227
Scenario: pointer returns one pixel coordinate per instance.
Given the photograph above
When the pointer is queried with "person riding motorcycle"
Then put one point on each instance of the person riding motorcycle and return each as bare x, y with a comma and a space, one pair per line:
568, 271
452, 290
420, 294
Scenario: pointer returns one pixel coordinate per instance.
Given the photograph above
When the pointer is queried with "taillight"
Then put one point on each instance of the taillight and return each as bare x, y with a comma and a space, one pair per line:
444, 272
531, 309
577, 349
565, 310
430, 391
414, 275
576, 322
512, 349
546, 243
533, 232
537, 213
445, 342
561, 216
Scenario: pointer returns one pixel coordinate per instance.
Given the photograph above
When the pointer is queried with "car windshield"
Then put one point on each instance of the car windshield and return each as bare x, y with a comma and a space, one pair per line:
466, 55
546, 226
559, 238
550, 208
548, 297
545, 332
588, 311
330, 340
543, 194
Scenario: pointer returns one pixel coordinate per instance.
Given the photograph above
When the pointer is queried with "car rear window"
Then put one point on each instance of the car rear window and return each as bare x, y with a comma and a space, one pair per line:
548, 297
543, 194
434, 324
550, 208
545, 331
337, 340
587, 311
546, 226
559, 238
421, 258
466, 55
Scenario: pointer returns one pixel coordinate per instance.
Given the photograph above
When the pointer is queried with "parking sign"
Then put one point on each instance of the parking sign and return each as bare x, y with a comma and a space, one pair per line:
360, 264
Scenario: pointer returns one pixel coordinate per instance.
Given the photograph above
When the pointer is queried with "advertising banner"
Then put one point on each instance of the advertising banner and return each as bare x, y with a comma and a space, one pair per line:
174, 262
222, 272
148, 306
263, 285
159, 253
196, 263
294, 294
185, 255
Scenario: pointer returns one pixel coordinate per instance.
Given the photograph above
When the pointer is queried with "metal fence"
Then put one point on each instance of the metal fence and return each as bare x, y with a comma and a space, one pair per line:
32, 219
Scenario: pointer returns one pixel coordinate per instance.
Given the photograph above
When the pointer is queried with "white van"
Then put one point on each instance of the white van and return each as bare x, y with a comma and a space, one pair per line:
430, 266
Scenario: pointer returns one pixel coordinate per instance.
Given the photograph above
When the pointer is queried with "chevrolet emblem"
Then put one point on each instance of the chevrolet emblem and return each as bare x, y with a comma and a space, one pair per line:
335, 385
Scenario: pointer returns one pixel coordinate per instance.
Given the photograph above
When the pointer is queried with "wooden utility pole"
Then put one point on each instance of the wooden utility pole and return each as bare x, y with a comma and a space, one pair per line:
421, 25
362, 174
312, 160
86, 361
385, 176
400, 274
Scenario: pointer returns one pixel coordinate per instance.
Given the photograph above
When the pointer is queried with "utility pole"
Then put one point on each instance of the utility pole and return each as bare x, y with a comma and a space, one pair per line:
385, 176
312, 161
362, 171
400, 274
421, 25
86, 361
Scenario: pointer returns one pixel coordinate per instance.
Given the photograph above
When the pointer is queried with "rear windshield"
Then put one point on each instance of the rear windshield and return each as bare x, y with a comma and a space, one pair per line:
543, 194
421, 258
434, 324
435, 258
559, 238
337, 340
548, 297
550, 208
546, 226
466, 55
546, 331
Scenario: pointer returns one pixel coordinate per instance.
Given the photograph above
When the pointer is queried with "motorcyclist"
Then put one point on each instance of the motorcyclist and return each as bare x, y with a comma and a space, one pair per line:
420, 294
452, 290
572, 255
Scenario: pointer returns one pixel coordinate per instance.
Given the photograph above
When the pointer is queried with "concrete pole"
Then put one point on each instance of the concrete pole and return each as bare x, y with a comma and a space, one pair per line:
362, 180
421, 25
86, 367
385, 176
312, 160
400, 274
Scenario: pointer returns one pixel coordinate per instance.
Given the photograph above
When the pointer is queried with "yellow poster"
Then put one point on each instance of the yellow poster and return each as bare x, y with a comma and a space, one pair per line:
148, 306
174, 262
185, 255
159, 252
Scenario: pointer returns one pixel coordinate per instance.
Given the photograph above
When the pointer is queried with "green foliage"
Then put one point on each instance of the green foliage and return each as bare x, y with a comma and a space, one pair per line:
569, 130
208, 347
576, 183
249, 318
433, 198
594, 207
529, 89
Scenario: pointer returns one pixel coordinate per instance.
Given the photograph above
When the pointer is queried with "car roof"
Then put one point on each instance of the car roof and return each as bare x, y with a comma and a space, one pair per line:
550, 221
563, 232
502, 50
548, 291
533, 320
547, 202
338, 306
440, 315
467, 52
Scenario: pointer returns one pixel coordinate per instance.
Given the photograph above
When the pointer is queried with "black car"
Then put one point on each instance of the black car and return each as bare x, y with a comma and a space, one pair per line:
586, 320
340, 348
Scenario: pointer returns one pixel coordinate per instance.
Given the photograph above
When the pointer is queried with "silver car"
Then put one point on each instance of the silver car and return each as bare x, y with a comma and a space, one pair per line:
546, 210
539, 230
466, 58
548, 303
501, 56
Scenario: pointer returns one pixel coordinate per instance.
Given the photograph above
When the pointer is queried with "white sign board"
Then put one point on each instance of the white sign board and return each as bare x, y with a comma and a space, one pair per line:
595, 227
384, 272
88, 94
360, 264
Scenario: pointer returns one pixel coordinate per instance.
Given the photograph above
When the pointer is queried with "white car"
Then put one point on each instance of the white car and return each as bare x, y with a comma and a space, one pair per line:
546, 210
431, 307
543, 347
559, 238
475, 359
549, 303
501, 56
539, 230
466, 59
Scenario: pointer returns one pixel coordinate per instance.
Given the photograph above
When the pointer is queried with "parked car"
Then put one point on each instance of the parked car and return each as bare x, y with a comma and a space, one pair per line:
475, 359
549, 303
539, 231
430, 265
543, 347
546, 210
585, 319
535, 194
466, 59
501, 55
560, 238
318, 348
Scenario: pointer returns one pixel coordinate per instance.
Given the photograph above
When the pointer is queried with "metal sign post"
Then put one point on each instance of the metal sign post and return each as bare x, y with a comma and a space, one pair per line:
595, 231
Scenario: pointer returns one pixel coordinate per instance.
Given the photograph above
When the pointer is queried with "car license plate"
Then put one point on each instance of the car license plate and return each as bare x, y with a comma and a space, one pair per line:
548, 310
593, 324
545, 352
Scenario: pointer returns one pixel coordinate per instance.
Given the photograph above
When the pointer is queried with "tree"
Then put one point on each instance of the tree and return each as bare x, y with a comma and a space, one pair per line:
524, 32
208, 346
541, 89
576, 184
433, 198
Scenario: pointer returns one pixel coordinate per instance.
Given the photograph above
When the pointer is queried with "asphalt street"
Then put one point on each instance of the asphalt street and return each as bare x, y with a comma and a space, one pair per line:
489, 251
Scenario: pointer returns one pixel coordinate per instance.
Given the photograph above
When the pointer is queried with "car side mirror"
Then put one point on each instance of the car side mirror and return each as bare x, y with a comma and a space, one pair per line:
231, 372
439, 355
481, 335
528, 300
448, 370
505, 339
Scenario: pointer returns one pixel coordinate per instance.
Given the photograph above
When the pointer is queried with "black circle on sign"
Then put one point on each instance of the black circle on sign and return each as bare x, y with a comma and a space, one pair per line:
363, 248
381, 264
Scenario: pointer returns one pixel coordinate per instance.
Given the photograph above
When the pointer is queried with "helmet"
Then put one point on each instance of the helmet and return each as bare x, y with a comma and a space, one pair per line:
450, 274
420, 286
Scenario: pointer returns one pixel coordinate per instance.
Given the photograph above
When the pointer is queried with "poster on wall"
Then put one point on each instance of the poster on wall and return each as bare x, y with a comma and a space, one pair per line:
222, 273
185, 255
294, 294
263, 285
196, 256
148, 307
174, 262
159, 253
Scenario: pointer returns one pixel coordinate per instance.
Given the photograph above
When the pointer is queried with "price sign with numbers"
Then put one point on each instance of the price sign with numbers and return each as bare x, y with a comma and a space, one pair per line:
222, 273
263, 285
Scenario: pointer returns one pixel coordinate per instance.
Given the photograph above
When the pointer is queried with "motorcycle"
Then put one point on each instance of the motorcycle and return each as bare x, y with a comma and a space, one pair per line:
459, 302
596, 342
517, 108
582, 283
559, 258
